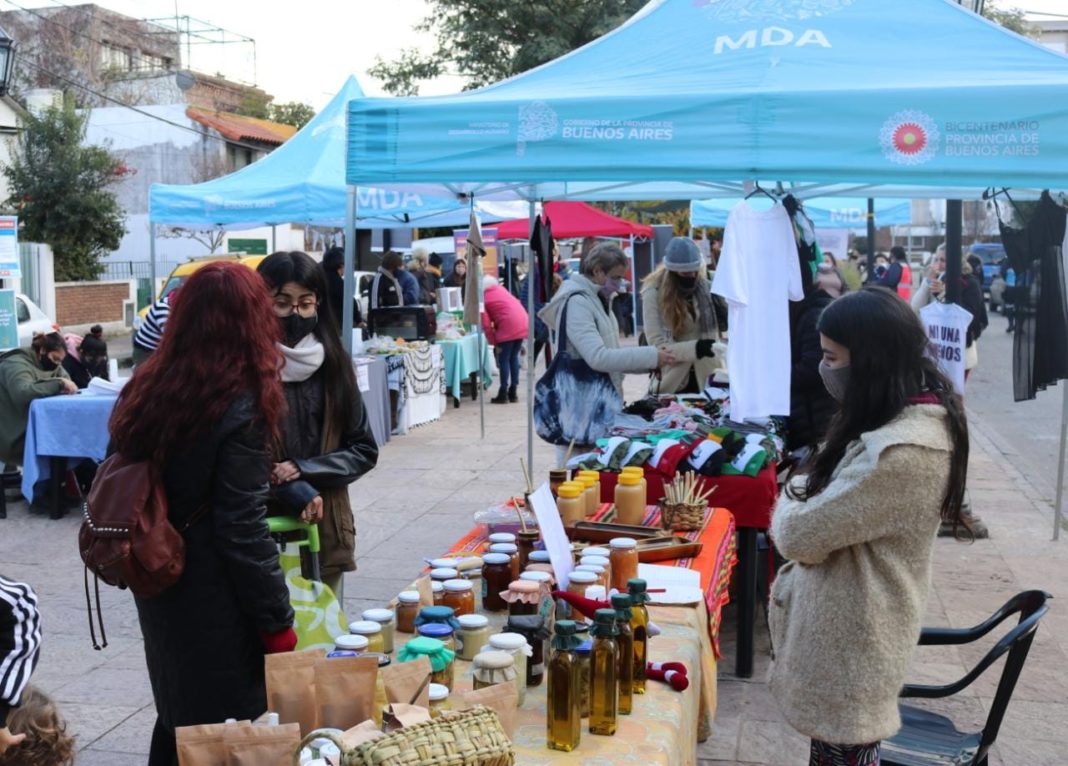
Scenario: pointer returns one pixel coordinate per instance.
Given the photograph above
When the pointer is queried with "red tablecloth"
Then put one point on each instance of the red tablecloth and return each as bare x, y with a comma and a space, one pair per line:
750, 498
714, 563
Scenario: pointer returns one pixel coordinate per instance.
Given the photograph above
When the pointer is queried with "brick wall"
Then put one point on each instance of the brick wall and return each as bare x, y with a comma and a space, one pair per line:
86, 303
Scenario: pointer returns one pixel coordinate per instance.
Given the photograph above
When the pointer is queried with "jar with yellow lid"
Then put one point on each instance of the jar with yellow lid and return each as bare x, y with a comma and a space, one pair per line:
407, 610
592, 494
571, 502
630, 499
638, 471
385, 618
624, 559
372, 631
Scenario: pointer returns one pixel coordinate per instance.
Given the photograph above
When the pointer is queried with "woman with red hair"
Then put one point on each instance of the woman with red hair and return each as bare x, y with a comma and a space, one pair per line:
203, 409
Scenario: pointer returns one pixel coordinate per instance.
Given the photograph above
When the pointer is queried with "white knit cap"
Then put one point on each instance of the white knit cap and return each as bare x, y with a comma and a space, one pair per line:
682, 254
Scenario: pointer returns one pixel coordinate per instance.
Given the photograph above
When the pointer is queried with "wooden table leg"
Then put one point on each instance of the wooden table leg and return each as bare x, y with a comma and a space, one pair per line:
747, 588
57, 480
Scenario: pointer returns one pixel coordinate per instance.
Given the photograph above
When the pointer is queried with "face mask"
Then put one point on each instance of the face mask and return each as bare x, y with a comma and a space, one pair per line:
835, 379
610, 287
47, 364
687, 284
295, 327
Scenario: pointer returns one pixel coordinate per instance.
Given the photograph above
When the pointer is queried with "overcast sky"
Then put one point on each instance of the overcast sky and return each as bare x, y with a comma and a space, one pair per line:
305, 49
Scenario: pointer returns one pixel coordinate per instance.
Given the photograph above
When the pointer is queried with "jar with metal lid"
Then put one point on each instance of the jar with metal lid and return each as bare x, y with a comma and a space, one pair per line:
523, 597
440, 656
630, 499
624, 559
517, 646
351, 643
583, 652
385, 618
534, 629
407, 609
438, 589
592, 480
439, 699
545, 582
443, 633
491, 668
571, 502
513, 552
460, 595
496, 574
474, 634
372, 630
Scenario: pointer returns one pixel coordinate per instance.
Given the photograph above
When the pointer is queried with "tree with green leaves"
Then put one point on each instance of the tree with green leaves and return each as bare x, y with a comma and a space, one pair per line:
488, 40
293, 113
1010, 18
61, 191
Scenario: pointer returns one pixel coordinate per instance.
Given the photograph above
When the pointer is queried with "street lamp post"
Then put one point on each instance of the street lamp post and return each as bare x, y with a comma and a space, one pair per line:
7, 61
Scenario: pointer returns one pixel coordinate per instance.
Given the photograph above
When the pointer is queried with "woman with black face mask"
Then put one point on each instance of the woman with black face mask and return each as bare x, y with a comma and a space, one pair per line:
677, 310
27, 374
326, 441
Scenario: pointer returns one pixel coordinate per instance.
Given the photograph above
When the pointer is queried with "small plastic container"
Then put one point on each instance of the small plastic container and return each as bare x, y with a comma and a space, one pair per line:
624, 562
460, 595
373, 632
513, 552
571, 502
439, 699
474, 634
630, 499
385, 618
407, 610
351, 643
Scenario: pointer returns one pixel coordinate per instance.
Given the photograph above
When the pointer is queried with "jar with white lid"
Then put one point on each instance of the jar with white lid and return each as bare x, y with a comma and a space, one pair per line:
595, 551
444, 563
372, 630
512, 550
385, 618
517, 646
438, 589
601, 561
578, 581
624, 559
539, 557
460, 595
351, 643
597, 569
597, 593
474, 631
501, 537
407, 610
441, 574
439, 699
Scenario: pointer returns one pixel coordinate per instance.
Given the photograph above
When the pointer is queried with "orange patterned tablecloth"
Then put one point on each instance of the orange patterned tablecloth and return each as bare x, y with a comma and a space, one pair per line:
714, 563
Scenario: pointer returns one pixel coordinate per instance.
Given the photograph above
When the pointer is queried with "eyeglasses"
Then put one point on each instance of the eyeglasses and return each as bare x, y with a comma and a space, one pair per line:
283, 307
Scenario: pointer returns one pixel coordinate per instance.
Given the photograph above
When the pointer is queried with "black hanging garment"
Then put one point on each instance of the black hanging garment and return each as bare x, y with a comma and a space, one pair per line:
1040, 345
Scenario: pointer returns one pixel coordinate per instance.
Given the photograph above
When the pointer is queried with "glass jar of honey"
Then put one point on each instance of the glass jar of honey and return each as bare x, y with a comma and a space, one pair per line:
439, 699
592, 480
630, 499
372, 631
601, 561
407, 610
385, 618
624, 559
577, 583
513, 553
571, 502
438, 589
496, 574
460, 595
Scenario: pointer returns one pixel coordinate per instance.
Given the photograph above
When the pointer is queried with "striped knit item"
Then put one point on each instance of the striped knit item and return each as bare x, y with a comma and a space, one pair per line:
20, 641
150, 333
826, 754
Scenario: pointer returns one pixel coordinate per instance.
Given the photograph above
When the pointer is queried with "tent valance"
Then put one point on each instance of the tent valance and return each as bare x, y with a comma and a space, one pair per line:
575, 219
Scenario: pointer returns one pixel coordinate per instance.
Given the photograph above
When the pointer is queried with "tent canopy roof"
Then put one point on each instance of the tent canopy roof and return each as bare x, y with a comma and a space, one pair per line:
690, 98
575, 219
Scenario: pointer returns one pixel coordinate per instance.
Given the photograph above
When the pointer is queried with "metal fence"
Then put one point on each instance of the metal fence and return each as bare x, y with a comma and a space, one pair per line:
139, 270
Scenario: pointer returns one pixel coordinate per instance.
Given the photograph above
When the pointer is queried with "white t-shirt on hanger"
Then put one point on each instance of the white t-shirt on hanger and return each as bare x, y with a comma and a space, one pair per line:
758, 274
946, 325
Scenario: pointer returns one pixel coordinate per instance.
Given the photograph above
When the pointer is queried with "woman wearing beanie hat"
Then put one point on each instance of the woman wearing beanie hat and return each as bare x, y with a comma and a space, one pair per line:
678, 311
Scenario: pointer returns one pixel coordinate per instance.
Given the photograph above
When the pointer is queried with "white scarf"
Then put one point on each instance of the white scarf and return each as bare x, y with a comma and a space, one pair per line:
302, 360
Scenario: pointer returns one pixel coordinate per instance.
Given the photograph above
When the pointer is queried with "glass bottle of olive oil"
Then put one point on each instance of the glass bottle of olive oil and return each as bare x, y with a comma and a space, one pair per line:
639, 625
564, 719
604, 660
625, 642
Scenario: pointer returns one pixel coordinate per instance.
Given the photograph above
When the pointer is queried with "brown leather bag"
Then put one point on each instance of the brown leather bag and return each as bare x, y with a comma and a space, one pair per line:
126, 538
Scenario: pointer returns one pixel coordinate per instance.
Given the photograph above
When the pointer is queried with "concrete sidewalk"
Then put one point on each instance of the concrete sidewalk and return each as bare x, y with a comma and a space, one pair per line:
421, 497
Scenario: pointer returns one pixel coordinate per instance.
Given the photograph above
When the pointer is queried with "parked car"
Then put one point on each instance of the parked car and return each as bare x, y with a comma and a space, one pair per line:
991, 254
183, 270
31, 320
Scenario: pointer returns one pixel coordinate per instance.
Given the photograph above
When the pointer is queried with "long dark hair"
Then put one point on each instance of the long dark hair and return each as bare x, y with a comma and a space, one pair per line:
280, 268
219, 344
888, 364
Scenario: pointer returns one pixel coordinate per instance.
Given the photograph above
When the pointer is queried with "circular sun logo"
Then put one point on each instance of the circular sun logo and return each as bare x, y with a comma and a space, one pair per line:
909, 138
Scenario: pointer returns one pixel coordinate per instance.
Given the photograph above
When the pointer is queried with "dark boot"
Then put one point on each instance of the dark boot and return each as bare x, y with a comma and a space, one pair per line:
500, 398
512, 395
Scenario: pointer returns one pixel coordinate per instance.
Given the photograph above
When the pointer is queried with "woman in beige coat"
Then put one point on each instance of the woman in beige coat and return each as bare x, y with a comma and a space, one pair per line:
858, 525
677, 311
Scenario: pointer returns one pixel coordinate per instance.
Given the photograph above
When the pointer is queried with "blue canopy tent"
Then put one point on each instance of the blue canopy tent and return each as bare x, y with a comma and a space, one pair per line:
691, 99
825, 212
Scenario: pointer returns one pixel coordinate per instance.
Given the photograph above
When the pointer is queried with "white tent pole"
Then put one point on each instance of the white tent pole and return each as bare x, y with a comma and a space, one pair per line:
531, 361
477, 261
152, 261
350, 268
1058, 510
274, 239
634, 285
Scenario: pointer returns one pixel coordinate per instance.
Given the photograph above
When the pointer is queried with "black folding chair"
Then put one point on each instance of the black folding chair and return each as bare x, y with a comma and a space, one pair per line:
929, 739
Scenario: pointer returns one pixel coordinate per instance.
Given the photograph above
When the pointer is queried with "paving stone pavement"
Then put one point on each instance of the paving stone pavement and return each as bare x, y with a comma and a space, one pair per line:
421, 497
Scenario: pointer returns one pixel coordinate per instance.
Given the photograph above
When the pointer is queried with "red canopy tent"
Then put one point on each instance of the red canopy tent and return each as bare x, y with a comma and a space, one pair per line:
575, 219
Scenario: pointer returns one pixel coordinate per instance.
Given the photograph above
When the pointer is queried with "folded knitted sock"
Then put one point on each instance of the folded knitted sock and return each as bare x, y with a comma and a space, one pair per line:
678, 681
676, 666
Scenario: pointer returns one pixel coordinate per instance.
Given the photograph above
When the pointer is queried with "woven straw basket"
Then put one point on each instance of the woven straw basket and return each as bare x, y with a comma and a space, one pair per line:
681, 517
470, 738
